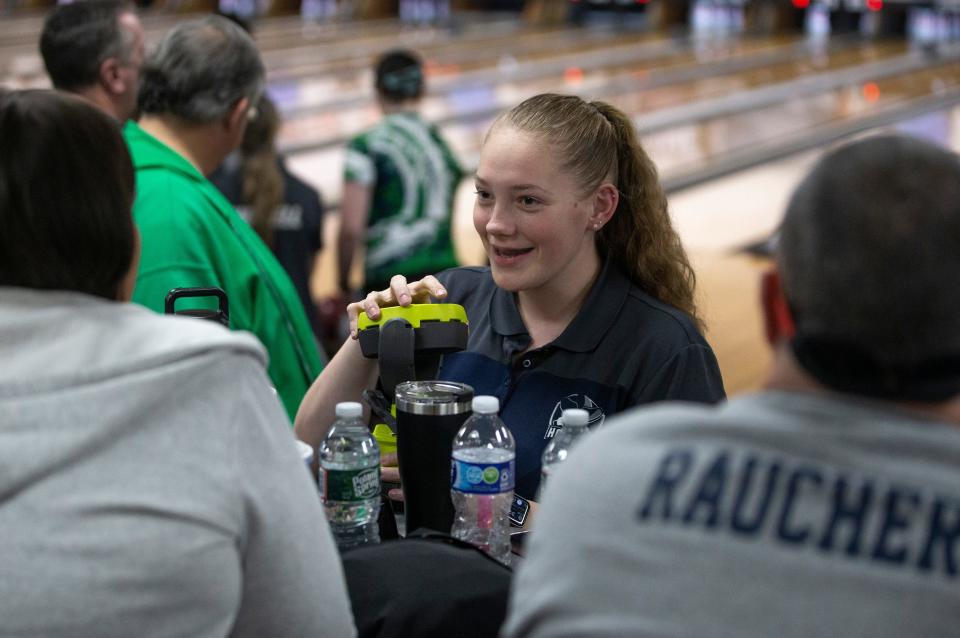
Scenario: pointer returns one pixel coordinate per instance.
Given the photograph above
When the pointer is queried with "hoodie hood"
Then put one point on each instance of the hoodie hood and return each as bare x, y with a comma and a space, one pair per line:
79, 374
55, 339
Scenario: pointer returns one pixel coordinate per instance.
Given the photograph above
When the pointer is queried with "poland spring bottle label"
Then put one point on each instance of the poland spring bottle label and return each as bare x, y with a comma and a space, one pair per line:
351, 485
481, 478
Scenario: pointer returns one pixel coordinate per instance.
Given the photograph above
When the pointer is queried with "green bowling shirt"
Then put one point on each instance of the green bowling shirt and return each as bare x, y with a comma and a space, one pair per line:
414, 177
191, 236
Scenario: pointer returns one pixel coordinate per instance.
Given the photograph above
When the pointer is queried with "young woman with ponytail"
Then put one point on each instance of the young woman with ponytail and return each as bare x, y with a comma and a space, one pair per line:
589, 297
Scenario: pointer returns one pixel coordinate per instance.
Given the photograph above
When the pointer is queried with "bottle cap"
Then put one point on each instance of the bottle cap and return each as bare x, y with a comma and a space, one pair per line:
349, 409
575, 416
485, 404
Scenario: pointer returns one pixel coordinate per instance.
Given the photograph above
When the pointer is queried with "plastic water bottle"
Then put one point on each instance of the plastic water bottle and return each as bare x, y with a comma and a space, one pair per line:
350, 478
573, 426
482, 477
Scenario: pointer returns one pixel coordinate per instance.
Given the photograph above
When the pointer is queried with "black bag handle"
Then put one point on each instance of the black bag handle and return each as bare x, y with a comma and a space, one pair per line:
222, 314
396, 354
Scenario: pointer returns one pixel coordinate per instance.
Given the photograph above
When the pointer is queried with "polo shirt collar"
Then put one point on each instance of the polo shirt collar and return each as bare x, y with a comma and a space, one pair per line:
505, 315
149, 152
592, 322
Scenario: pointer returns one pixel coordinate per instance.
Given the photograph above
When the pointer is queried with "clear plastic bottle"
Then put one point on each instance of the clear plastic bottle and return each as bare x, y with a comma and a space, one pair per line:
350, 478
483, 466
573, 425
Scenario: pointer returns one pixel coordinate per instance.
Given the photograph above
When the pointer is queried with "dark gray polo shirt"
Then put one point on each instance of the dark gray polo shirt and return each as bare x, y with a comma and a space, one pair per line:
624, 348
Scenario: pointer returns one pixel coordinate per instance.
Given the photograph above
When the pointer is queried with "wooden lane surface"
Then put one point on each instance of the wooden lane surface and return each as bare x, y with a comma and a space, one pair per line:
729, 299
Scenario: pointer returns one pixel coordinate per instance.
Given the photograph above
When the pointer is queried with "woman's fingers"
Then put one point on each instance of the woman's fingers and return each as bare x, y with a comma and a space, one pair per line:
400, 293
370, 305
427, 287
353, 312
389, 472
388, 459
399, 290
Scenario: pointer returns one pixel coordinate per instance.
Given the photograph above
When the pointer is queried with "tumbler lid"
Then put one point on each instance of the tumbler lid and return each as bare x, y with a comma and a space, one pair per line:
433, 397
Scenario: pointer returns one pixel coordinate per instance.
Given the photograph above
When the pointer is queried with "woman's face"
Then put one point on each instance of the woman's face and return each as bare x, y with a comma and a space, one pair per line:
536, 225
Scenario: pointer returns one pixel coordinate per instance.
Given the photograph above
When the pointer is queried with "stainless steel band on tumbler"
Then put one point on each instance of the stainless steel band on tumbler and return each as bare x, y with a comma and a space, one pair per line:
435, 398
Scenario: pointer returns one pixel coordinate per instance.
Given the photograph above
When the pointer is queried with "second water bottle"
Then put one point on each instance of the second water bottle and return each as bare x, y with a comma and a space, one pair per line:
483, 466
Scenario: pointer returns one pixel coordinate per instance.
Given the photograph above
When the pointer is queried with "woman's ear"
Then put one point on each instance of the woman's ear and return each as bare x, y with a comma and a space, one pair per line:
605, 201
777, 319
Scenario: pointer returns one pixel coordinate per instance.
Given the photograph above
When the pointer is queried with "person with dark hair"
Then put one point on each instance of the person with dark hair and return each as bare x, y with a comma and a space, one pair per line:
588, 301
149, 485
95, 48
824, 505
400, 179
199, 89
285, 211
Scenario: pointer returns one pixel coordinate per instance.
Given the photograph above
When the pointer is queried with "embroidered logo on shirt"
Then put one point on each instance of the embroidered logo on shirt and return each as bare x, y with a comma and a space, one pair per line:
581, 401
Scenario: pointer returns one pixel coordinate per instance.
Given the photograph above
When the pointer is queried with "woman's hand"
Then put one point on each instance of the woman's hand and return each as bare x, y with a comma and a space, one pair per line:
390, 475
400, 293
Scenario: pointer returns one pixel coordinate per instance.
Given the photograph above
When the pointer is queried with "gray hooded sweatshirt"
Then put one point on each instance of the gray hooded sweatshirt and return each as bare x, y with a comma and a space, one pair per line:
149, 481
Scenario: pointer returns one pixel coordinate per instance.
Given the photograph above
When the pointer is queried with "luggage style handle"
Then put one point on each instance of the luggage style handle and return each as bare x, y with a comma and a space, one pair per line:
221, 315
396, 354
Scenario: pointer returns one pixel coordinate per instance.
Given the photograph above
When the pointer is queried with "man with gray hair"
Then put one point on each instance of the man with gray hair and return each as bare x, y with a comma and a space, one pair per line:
198, 91
827, 504
94, 48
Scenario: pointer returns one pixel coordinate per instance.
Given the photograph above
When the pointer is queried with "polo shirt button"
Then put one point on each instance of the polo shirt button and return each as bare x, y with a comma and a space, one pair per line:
526, 363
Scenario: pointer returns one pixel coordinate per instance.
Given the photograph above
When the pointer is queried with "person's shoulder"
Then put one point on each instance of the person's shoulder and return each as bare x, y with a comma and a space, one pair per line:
659, 420
670, 323
297, 189
361, 141
167, 336
99, 340
172, 200
630, 437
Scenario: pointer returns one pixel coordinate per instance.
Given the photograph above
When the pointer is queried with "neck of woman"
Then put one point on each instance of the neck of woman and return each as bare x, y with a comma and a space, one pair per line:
549, 309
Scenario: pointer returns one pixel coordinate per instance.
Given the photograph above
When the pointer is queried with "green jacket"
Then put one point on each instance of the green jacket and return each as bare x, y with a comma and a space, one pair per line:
191, 236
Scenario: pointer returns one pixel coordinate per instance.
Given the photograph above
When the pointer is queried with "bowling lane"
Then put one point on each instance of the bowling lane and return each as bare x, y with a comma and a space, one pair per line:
346, 45
641, 76
458, 77
470, 46
635, 92
674, 149
584, 61
690, 148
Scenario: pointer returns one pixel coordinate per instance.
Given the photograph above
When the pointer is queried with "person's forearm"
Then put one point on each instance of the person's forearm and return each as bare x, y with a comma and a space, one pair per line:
344, 378
354, 211
346, 244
